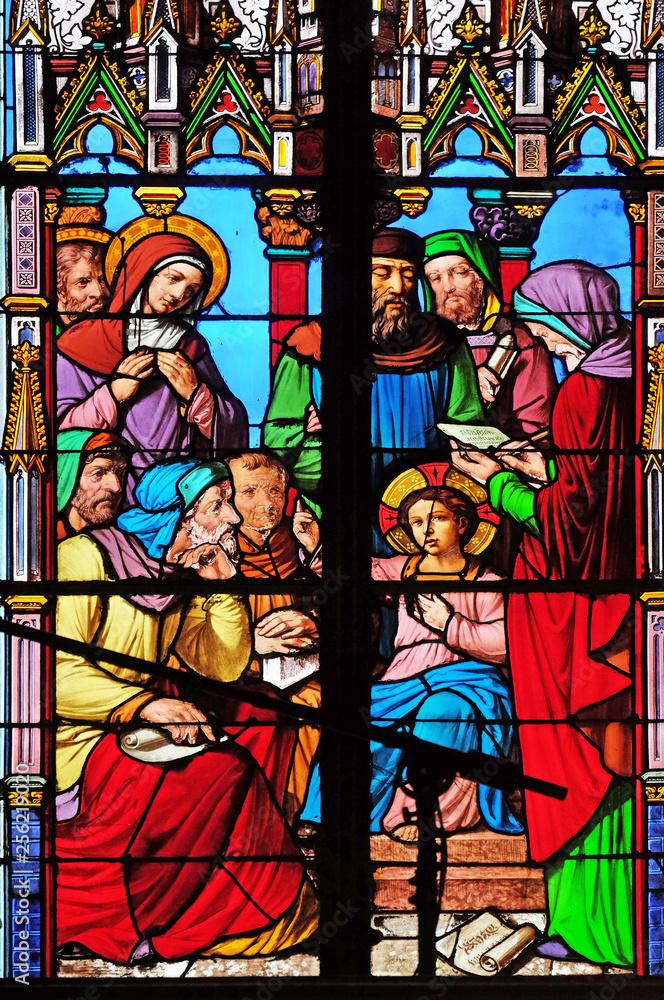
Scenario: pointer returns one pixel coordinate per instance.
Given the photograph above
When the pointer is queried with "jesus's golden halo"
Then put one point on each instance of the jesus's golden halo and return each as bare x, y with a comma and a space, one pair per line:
183, 225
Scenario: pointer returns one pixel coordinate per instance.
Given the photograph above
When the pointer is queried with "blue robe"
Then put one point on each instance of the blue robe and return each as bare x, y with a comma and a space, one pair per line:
474, 703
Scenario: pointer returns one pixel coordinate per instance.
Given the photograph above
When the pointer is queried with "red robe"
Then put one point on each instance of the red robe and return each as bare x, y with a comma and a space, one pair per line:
185, 854
560, 644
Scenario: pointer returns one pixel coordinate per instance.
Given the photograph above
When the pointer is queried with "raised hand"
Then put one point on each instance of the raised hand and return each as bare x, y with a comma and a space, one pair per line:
305, 527
181, 718
313, 420
208, 560
488, 383
135, 367
179, 372
284, 631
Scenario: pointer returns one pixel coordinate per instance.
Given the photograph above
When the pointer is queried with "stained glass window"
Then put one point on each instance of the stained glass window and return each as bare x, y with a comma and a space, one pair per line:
332, 475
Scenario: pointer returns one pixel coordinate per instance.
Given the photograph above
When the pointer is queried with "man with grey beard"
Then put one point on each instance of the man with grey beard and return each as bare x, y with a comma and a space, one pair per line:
421, 373
515, 372
208, 531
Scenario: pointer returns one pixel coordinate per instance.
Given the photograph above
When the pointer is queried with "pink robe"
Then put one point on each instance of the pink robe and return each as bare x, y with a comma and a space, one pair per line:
475, 631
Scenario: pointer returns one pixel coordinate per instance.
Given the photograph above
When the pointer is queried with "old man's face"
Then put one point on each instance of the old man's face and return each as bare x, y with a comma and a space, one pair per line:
260, 496
458, 288
393, 285
213, 519
81, 288
99, 492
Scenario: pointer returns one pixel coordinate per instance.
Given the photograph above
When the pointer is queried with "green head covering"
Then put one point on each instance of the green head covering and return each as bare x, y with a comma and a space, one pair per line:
70, 446
191, 485
529, 310
481, 254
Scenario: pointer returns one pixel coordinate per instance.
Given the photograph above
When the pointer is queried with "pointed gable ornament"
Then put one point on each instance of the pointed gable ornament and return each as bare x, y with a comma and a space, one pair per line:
412, 23
99, 92
653, 23
282, 22
25, 433
224, 24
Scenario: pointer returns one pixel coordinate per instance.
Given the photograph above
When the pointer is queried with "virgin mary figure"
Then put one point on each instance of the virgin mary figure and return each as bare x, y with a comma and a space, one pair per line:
142, 370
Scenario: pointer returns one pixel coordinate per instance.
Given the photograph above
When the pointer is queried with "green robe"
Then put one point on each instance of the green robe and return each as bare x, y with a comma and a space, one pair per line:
284, 427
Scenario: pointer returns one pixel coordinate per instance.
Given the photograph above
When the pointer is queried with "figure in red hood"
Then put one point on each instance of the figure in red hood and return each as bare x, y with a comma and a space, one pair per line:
143, 371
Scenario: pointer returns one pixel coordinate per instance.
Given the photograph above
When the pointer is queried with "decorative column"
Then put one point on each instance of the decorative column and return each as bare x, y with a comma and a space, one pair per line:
650, 789
25, 445
282, 37
649, 336
512, 221
286, 222
649, 327
29, 133
529, 125
24, 791
162, 120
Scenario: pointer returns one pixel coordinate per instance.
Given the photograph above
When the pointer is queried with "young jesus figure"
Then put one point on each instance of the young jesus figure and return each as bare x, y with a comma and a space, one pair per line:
444, 683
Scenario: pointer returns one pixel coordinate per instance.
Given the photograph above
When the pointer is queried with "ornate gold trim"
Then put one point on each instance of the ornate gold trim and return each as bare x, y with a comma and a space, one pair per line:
35, 602
468, 26
24, 303
530, 211
638, 211
653, 437
159, 201
593, 28
35, 162
413, 200
653, 598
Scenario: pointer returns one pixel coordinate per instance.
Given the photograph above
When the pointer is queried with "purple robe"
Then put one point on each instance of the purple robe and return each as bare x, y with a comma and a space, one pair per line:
155, 421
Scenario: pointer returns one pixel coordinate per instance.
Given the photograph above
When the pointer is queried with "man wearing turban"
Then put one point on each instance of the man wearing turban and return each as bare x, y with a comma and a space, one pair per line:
515, 371
144, 371
92, 469
201, 811
421, 370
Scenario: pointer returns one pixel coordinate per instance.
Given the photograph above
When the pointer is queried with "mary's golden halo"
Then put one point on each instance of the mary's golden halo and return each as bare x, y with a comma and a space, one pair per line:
183, 225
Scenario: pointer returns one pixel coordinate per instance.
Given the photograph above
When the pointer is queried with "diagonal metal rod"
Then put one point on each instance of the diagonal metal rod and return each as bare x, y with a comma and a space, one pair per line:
496, 772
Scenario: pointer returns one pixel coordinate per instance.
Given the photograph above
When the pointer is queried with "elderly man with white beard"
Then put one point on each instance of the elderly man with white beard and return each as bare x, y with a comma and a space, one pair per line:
116, 810
184, 527
421, 373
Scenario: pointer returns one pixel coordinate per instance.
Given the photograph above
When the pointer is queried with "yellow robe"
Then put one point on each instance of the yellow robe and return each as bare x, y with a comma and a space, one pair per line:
210, 635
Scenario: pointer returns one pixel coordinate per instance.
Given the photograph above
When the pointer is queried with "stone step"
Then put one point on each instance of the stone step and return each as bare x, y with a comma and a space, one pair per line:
485, 869
477, 846
466, 888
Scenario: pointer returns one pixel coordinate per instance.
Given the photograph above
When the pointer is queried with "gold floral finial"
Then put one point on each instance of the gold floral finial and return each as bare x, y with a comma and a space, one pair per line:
469, 27
224, 24
98, 23
593, 28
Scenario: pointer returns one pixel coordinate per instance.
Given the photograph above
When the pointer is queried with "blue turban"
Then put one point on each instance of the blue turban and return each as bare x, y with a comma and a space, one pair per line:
163, 493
